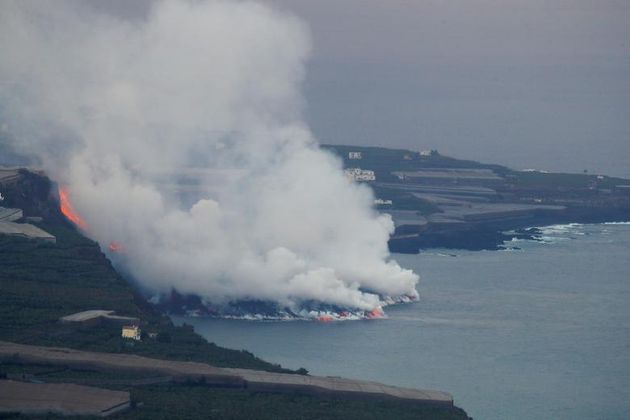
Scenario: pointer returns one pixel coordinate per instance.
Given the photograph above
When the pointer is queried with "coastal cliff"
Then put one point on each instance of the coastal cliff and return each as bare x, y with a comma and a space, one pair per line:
438, 201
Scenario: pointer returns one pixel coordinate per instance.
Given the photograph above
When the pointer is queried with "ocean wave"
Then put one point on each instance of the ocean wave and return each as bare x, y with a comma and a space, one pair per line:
560, 228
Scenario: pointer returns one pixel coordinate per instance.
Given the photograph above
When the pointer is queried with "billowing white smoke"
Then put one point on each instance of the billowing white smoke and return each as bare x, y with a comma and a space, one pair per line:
119, 111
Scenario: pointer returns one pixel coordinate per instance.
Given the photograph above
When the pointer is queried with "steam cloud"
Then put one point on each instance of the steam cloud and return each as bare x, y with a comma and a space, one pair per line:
199, 99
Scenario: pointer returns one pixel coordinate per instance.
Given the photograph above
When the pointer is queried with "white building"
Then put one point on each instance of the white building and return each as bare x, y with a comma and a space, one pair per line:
354, 155
358, 174
131, 331
425, 153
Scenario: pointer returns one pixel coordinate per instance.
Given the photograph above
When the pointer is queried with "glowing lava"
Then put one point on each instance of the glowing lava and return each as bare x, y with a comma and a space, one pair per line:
376, 313
116, 247
68, 210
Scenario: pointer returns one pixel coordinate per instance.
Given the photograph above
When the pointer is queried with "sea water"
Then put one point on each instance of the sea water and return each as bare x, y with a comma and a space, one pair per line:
538, 331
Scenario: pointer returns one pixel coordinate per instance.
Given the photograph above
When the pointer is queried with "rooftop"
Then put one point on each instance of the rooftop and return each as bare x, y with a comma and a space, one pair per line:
25, 230
10, 215
94, 314
64, 399
86, 315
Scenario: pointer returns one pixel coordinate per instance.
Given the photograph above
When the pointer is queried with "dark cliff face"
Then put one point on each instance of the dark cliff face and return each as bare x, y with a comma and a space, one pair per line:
35, 194
474, 238
493, 235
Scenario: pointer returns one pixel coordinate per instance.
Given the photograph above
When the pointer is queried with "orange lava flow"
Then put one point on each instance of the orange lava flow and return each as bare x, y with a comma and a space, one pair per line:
324, 318
376, 313
69, 211
115, 247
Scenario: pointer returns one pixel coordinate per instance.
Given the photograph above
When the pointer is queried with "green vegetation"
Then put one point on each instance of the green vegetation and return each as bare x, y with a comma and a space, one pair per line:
195, 401
166, 402
384, 161
50, 373
40, 282
560, 181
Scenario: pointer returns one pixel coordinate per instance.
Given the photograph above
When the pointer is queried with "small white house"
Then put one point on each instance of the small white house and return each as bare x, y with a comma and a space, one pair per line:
354, 155
132, 332
425, 153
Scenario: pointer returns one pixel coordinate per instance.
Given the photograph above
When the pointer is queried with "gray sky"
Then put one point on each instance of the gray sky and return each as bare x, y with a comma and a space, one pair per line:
527, 83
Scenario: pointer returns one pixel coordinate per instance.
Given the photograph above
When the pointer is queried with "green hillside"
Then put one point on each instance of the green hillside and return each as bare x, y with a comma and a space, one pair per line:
40, 282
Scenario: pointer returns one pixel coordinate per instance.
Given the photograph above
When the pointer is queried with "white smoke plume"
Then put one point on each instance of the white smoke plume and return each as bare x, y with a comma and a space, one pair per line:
203, 99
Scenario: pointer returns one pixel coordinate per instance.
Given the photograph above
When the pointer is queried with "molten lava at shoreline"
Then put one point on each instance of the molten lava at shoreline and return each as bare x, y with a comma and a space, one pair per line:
68, 210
